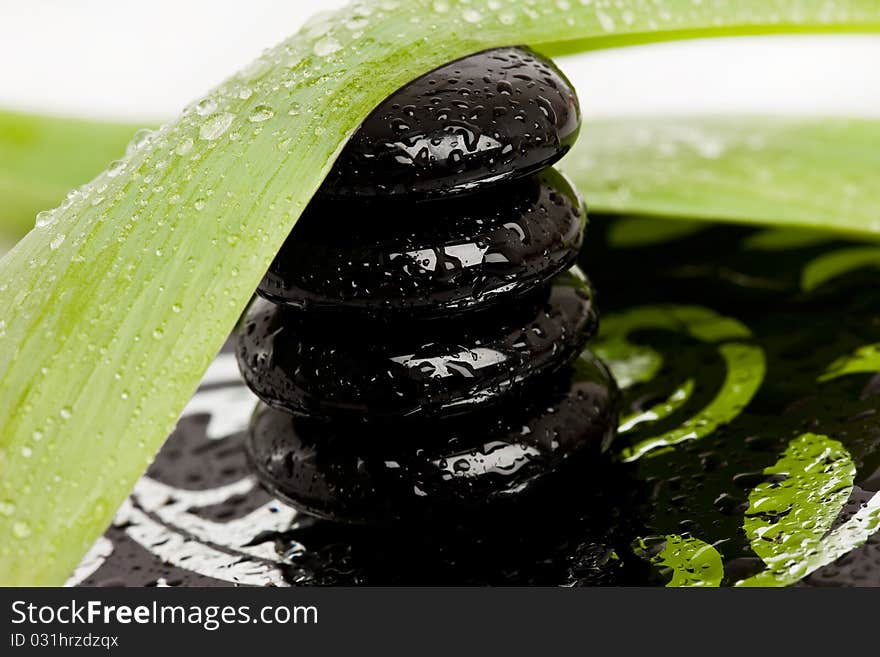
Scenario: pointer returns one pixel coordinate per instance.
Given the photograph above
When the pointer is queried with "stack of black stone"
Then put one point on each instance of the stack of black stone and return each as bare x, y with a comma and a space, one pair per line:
418, 343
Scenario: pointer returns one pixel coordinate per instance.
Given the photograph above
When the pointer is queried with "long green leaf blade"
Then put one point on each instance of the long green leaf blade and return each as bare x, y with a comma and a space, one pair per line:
115, 305
807, 173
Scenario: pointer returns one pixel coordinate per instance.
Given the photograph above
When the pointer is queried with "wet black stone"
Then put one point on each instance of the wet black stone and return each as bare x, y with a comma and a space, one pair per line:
497, 115
479, 462
430, 258
325, 368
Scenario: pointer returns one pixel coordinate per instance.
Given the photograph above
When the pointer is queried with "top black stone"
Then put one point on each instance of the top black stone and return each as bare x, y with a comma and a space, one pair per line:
497, 115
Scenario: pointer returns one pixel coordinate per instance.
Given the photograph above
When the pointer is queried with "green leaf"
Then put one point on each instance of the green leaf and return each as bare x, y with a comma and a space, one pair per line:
691, 562
788, 516
865, 359
804, 173
114, 307
42, 158
836, 263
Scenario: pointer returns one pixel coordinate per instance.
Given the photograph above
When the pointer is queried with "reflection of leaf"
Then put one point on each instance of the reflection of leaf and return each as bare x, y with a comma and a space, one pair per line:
789, 514
744, 361
836, 263
693, 563
865, 360
843, 540
635, 232
659, 411
782, 239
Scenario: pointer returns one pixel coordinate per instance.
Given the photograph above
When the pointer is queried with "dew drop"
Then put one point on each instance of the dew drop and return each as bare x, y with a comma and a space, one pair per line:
141, 138
326, 46
21, 529
116, 167
216, 125
357, 23
206, 106
261, 113
184, 147
27, 452
472, 16
45, 218
7, 508
65, 413
506, 18
605, 20
55, 243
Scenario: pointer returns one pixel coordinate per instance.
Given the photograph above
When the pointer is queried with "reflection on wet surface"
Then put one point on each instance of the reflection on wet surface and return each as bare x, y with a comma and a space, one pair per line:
771, 459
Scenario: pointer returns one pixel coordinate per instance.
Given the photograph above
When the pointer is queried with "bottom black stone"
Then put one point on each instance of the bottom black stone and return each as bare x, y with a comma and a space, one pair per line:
464, 466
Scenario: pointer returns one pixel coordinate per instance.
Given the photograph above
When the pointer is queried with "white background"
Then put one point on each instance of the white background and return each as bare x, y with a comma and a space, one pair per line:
146, 60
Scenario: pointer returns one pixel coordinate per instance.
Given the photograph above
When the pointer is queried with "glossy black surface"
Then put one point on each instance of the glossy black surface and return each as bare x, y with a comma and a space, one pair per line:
416, 470
429, 258
496, 115
326, 368
697, 488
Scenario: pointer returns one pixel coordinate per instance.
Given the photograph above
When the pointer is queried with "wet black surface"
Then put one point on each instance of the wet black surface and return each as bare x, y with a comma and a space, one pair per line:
582, 532
469, 467
429, 259
317, 365
493, 116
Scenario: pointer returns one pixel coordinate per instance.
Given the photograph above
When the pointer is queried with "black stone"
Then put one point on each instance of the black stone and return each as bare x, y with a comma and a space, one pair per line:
481, 462
430, 258
327, 368
497, 115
